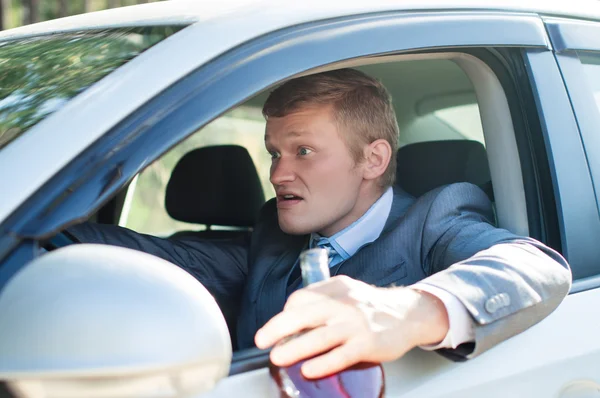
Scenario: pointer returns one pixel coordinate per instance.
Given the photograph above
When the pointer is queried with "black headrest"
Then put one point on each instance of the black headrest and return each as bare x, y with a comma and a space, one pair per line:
424, 166
215, 185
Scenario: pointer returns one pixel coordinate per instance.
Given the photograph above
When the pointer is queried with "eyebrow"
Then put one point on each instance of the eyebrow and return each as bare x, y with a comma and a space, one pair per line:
292, 133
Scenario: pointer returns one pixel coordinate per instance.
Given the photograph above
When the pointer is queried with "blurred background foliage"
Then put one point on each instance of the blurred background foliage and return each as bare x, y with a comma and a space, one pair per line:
39, 75
15, 13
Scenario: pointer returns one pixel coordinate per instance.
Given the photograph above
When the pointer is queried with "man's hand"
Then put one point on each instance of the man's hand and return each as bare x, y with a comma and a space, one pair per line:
351, 322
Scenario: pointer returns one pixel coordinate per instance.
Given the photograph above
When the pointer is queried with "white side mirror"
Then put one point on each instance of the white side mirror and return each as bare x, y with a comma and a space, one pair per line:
103, 321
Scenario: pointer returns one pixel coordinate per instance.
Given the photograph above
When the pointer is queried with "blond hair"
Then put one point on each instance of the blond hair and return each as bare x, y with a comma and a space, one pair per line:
361, 105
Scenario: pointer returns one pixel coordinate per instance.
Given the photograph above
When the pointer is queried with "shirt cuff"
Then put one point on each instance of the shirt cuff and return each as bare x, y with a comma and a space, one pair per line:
460, 328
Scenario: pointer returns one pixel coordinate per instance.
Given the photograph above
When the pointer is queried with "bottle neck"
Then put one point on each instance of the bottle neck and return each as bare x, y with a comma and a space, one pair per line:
314, 264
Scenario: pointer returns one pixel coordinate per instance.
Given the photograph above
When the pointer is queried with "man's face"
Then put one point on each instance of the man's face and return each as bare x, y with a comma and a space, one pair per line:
316, 181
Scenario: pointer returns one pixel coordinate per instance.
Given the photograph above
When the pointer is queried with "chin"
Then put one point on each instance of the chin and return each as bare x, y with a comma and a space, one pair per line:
295, 228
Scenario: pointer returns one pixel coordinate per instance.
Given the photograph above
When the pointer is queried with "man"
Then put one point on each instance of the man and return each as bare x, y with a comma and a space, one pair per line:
333, 138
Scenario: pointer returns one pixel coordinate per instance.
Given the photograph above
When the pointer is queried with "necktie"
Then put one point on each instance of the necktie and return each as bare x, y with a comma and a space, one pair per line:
294, 281
332, 254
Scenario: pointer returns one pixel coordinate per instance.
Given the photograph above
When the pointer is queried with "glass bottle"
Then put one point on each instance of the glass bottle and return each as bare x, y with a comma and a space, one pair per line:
359, 381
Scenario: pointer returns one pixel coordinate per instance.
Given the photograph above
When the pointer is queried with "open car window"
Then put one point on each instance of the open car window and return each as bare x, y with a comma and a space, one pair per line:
427, 109
144, 207
41, 74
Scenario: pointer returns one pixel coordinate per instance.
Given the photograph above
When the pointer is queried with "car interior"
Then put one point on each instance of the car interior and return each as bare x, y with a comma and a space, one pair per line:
221, 176
434, 100
455, 126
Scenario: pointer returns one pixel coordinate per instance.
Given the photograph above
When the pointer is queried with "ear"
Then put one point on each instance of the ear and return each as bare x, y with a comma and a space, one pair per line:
377, 158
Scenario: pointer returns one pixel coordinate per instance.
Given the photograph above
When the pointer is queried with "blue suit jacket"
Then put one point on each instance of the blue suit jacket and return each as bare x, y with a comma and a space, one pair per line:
446, 236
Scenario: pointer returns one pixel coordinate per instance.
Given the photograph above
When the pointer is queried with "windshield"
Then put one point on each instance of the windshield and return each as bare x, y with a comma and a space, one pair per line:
39, 75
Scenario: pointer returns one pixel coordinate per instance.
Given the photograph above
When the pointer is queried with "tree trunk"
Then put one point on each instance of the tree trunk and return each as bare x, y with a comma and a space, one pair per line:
63, 8
87, 5
113, 3
8, 21
2, 13
31, 12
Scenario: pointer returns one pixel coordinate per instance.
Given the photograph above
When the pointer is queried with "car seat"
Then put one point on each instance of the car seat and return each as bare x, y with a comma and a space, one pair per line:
215, 185
424, 166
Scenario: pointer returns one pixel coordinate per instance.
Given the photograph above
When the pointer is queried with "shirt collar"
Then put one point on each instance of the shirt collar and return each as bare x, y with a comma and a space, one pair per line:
362, 231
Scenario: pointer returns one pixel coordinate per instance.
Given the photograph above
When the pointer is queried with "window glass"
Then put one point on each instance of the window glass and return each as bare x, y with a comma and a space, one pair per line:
460, 122
41, 74
464, 119
144, 210
591, 67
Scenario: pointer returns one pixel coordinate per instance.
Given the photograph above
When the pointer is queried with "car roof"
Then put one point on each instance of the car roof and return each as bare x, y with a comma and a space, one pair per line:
185, 12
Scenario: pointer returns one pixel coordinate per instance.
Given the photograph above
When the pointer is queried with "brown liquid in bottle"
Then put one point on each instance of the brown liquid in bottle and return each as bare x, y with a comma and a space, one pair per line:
359, 381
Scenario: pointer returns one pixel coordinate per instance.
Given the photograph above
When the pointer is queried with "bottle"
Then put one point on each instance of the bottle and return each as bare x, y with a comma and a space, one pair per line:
359, 381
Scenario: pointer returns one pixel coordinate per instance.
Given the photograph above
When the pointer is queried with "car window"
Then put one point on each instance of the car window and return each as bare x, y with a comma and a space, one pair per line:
40, 74
453, 123
144, 210
144, 206
591, 67
464, 119
434, 100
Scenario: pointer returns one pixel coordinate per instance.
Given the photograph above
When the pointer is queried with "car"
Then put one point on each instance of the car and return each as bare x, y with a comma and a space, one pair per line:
114, 116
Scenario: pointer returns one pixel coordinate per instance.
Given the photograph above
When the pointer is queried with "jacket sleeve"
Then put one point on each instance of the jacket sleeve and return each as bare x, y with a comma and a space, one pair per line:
220, 265
506, 282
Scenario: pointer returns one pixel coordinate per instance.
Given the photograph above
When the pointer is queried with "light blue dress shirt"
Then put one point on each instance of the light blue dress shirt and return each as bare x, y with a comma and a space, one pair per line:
366, 230
361, 232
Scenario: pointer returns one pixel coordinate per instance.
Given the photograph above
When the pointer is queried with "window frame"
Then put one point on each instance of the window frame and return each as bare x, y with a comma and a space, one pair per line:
569, 36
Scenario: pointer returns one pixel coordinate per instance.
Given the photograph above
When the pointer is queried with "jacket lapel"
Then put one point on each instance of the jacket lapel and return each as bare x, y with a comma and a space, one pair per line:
272, 295
381, 262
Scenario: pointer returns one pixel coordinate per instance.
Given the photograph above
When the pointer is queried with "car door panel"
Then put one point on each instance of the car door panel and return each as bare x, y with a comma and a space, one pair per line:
544, 361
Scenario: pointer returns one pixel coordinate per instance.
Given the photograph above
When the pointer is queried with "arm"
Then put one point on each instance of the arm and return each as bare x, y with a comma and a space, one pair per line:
507, 284
460, 327
221, 266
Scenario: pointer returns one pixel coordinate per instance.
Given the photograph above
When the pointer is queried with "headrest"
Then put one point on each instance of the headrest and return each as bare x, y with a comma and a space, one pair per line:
215, 185
424, 166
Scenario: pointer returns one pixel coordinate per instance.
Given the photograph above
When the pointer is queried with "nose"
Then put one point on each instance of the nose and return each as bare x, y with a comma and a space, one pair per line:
282, 171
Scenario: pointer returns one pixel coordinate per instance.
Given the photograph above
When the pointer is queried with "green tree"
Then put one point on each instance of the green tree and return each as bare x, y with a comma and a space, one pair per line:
39, 75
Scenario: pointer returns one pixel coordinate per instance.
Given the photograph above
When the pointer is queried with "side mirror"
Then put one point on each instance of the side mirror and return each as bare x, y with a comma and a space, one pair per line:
102, 321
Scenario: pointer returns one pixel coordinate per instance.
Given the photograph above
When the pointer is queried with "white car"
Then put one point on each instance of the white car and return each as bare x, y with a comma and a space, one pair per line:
98, 110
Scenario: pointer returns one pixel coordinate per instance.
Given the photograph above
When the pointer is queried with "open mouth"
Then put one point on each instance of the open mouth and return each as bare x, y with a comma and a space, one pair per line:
288, 200
289, 197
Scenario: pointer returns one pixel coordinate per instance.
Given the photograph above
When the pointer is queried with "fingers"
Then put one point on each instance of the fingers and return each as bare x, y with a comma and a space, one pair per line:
311, 307
311, 343
336, 360
345, 322
361, 348
295, 320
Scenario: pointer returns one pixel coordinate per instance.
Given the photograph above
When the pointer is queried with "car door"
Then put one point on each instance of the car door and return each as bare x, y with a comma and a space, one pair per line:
543, 361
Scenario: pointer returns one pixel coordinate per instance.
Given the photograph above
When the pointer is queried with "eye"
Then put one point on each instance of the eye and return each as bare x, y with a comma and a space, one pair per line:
274, 155
304, 151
